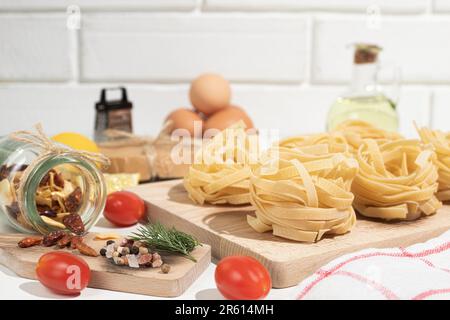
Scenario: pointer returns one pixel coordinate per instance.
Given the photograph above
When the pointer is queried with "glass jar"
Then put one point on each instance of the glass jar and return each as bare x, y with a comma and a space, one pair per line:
365, 100
36, 186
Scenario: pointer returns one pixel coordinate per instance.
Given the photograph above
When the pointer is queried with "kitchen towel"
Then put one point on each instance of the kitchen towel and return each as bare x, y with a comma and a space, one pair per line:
418, 272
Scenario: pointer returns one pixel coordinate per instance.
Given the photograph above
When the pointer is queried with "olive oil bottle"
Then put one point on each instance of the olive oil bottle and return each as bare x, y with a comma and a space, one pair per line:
364, 99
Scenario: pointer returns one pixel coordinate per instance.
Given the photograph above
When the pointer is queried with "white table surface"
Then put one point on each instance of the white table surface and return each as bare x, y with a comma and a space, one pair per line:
14, 287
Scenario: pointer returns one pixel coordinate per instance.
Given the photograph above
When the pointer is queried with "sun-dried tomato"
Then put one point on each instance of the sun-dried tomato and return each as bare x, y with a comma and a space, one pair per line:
48, 213
5, 170
19, 167
29, 242
87, 250
59, 180
52, 238
41, 208
74, 223
76, 240
46, 179
13, 209
64, 241
73, 201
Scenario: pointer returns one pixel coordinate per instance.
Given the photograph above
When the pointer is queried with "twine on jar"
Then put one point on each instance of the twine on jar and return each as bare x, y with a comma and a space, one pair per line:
41, 140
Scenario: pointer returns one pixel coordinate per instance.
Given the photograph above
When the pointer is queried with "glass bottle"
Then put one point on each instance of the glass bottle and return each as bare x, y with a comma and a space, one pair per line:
19, 200
364, 100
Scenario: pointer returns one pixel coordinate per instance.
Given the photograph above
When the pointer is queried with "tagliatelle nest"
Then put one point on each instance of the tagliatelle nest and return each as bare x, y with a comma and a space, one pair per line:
355, 131
441, 144
222, 168
302, 191
396, 180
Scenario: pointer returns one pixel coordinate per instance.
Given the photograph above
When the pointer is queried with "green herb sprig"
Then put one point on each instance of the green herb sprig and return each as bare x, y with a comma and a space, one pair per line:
157, 237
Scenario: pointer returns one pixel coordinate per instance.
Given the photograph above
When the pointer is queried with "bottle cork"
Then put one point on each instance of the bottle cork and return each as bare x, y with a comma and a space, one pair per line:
366, 53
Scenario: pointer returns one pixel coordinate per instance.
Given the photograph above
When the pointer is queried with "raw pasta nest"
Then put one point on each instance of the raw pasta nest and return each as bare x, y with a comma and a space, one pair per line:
441, 144
302, 190
221, 170
355, 131
396, 180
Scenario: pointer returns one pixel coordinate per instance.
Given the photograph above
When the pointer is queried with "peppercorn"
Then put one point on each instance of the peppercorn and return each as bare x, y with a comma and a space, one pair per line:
138, 244
110, 242
165, 268
123, 250
119, 261
145, 260
156, 256
134, 250
103, 252
157, 263
143, 250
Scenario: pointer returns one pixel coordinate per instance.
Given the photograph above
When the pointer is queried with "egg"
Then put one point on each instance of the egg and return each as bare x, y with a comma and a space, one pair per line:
224, 118
210, 93
185, 119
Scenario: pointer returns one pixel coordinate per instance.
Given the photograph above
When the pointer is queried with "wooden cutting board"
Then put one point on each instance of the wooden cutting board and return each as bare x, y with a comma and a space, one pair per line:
225, 228
106, 275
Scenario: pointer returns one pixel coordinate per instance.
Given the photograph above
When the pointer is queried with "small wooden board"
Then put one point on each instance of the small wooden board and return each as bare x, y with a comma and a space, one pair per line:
106, 275
225, 228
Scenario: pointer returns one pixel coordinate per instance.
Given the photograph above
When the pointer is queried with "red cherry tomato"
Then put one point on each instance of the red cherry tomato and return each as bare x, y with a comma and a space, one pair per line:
63, 272
242, 278
124, 208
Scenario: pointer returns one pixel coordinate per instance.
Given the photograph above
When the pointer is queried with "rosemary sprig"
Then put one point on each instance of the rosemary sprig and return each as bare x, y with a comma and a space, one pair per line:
158, 237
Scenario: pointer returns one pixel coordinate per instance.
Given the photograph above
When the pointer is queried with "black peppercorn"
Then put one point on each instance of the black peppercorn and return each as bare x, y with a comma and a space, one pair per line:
110, 242
134, 250
103, 252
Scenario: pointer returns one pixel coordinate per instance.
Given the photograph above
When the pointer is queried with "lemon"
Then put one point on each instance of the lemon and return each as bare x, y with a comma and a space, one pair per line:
76, 141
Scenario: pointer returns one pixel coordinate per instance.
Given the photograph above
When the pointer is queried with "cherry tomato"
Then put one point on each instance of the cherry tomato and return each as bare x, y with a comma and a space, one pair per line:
124, 208
242, 278
63, 272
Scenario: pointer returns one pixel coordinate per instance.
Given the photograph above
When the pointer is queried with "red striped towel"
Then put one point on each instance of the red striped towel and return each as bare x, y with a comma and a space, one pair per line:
418, 272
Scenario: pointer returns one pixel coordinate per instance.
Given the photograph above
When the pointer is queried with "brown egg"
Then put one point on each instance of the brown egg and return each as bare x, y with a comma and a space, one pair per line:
209, 93
184, 119
227, 117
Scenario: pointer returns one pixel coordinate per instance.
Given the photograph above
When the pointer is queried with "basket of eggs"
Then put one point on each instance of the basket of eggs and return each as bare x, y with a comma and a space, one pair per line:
210, 96
184, 128
169, 155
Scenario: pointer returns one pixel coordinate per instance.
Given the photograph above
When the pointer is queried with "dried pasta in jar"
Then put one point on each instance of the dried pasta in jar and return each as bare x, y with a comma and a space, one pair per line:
302, 190
355, 131
396, 181
221, 169
441, 144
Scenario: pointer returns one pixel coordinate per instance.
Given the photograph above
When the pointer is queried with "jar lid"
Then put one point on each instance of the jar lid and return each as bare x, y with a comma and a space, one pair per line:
105, 105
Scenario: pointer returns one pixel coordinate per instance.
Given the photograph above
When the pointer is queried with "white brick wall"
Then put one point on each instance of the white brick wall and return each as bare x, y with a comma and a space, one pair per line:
34, 47
287, 59
177, 48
